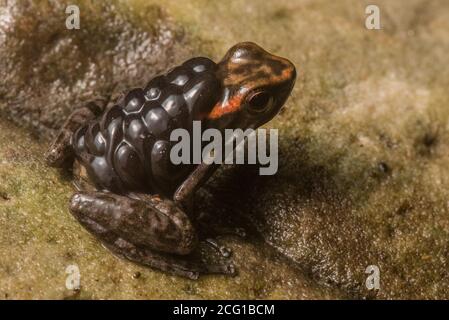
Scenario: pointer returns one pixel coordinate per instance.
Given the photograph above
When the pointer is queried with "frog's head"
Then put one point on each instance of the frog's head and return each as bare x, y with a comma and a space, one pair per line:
255, 85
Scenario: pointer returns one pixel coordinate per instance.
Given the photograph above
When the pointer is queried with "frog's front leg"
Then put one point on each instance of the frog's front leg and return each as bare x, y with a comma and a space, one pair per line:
154, 233
184, 194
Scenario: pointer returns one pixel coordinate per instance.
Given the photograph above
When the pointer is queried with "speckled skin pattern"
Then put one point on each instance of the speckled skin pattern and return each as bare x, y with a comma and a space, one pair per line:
135, 200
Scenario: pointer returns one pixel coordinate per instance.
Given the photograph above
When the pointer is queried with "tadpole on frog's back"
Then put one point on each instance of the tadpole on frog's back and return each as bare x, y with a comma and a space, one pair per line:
132, 197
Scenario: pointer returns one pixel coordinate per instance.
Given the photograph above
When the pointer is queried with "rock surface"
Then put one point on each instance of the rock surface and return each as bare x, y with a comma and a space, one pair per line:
49, 69
40, 240
364, 142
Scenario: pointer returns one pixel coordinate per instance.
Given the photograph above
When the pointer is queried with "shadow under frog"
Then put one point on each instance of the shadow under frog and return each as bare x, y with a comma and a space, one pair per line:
130, 195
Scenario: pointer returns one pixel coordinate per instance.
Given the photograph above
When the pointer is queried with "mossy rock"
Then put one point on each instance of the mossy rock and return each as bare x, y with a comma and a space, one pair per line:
364, 142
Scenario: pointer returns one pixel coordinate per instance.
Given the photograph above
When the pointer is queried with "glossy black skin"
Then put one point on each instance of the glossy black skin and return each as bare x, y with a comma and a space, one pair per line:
131, 197
128, 147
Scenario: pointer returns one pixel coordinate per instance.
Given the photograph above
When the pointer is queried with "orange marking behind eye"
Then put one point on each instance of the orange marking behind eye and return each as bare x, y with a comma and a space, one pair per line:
231, 105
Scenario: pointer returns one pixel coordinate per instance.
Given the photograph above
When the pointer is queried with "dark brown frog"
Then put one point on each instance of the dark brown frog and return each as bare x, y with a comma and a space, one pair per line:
130, 195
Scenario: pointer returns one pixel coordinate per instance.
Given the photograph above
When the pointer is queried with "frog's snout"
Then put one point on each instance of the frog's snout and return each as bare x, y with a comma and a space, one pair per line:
247, 64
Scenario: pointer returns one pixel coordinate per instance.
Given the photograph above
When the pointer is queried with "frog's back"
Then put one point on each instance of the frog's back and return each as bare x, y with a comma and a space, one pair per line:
128, 147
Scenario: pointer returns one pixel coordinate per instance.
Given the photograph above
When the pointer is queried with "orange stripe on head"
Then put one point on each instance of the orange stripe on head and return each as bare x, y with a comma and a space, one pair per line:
231, 105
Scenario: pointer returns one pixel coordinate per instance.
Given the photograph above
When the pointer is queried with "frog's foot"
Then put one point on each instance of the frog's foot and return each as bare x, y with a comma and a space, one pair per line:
222, 250
60, 150
156, 234
182, 266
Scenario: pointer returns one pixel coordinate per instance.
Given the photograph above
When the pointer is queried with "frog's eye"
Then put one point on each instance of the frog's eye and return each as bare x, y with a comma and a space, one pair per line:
260, 101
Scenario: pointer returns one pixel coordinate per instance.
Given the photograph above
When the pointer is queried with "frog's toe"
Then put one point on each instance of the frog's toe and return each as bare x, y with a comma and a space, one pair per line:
222, 250
225, 268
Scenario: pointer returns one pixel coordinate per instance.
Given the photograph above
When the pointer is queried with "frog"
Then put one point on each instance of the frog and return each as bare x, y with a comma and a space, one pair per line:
129, 195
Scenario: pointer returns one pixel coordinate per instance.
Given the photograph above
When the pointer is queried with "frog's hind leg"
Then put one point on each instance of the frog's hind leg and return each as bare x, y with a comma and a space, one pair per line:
153, 233
60, 151
176, 265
